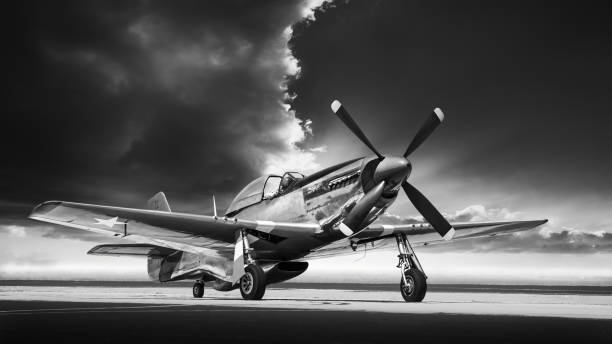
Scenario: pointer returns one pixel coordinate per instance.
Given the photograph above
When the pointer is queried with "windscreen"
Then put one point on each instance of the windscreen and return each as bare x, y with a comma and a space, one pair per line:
251, 194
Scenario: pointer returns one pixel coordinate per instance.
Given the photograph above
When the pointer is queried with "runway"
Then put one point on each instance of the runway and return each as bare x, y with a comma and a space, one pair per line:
162, 314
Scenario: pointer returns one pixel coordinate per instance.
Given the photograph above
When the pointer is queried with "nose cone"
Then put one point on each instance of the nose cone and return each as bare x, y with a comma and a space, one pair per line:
392, 170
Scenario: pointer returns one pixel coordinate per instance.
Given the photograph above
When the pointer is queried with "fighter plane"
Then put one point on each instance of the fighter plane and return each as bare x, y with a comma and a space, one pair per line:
279, 222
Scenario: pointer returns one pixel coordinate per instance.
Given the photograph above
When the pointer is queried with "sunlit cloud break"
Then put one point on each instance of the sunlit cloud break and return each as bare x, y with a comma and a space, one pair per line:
294, 131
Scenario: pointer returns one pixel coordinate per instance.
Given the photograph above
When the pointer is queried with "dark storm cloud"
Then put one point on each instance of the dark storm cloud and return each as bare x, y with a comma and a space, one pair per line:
112, 101
524, 85
109, 102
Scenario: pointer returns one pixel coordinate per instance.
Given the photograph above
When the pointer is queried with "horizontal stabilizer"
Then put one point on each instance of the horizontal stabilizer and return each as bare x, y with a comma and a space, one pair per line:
131, 250
159, 202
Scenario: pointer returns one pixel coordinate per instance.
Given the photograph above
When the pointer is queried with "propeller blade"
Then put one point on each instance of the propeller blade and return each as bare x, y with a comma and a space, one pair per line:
429, 212
341, 112
359, 212
436, 117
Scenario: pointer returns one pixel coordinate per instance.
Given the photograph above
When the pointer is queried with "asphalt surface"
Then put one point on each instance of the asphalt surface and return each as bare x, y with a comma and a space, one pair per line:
61, 322
53, 314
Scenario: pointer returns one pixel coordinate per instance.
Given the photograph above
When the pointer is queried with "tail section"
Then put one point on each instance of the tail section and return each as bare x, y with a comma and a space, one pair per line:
159, 202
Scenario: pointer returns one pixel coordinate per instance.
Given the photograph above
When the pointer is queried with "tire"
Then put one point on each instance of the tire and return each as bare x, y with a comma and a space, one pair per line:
198, 290
253, 283
415, 291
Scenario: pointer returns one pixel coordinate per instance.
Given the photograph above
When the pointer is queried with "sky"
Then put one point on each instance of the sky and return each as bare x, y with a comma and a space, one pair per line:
111, 102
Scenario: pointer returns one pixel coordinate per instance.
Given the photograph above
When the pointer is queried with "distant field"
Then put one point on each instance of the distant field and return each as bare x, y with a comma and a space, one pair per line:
472, 288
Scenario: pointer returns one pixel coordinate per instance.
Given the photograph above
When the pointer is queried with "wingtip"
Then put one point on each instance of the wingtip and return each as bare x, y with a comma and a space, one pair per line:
450, 234
43, 208
439, 113
335, 105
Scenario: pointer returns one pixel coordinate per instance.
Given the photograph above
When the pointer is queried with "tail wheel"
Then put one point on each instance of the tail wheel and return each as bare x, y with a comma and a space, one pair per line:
415, 286
253, 283
198, 289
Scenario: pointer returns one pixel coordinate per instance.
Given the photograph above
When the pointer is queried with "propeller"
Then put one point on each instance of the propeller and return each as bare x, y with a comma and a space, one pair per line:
341, 112
393, 170
429, 212
431, 123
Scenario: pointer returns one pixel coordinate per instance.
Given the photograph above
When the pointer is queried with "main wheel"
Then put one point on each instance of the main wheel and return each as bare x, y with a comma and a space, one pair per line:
198, 289
415, 288
253, 283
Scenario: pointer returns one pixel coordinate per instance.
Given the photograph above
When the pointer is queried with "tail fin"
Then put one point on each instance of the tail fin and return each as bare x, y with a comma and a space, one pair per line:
159, 202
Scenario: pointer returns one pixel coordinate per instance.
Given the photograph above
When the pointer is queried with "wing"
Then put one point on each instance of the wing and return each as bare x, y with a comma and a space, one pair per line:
421, 234
192, 233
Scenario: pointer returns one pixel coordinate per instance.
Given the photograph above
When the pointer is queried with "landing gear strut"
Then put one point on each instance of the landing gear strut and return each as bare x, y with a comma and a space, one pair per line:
253, 282
198, 289
413, 284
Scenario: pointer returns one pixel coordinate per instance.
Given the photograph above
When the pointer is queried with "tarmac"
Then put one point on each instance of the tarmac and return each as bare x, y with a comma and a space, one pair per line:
170, 314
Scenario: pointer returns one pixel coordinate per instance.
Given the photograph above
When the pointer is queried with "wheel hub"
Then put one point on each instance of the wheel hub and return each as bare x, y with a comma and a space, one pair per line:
409, 285
247, 283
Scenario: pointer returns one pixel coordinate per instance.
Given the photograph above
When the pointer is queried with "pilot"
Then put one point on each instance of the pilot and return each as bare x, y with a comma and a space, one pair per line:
286, 183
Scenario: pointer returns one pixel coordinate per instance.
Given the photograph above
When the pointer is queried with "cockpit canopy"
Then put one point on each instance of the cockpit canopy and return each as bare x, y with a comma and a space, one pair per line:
264, 187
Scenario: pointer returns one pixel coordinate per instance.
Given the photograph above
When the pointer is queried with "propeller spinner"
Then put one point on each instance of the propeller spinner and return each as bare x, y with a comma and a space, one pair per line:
394, 170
